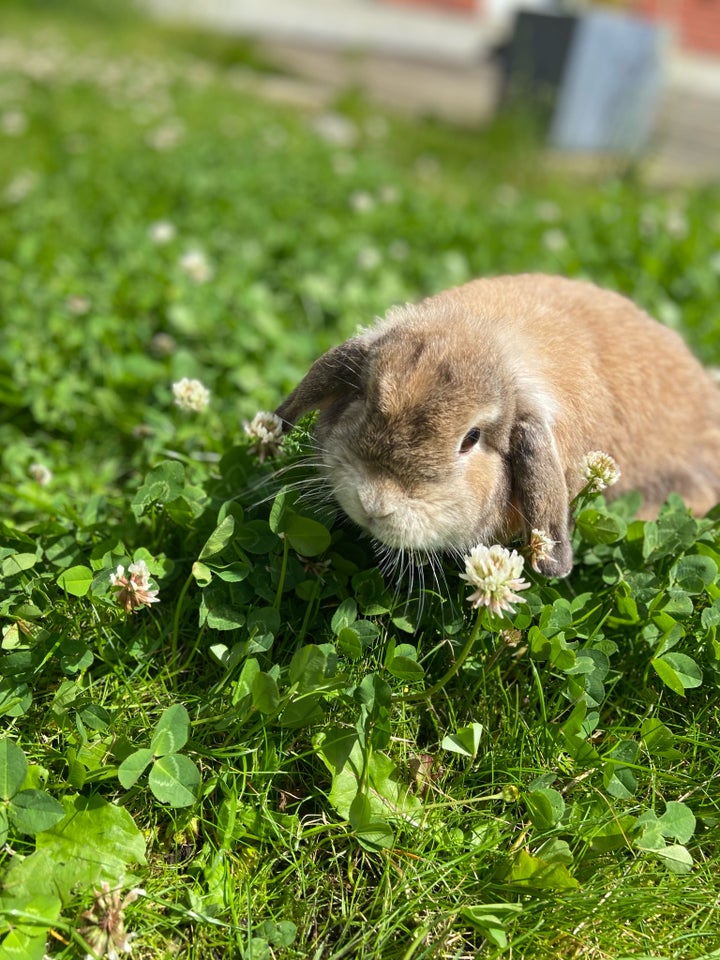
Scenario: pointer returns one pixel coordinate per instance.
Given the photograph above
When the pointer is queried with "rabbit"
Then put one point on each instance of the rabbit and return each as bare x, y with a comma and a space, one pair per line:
464, 418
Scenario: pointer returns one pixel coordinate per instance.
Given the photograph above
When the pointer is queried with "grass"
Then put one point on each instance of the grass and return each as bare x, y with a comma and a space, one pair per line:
255, 751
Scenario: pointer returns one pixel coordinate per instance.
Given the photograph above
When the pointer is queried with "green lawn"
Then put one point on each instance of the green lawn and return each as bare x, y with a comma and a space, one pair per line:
267, 752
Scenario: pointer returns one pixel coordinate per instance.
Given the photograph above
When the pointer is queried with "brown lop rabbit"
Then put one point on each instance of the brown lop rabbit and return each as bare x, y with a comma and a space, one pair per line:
464, 419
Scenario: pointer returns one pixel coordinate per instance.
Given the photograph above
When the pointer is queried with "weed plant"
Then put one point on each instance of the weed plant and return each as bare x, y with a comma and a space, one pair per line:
226, 735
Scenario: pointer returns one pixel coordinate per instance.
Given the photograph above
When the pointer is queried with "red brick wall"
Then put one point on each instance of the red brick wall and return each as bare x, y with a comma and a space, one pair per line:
697, 22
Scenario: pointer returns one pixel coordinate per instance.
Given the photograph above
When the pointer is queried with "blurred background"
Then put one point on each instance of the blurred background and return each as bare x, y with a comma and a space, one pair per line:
641, 76
221, 190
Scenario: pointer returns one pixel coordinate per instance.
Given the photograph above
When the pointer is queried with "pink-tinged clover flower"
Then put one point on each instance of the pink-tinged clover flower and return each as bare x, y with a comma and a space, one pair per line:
599, 471
196, 265
134, 590
496, 573
191, 395
104, 927
266, 430
41, 474
540, 548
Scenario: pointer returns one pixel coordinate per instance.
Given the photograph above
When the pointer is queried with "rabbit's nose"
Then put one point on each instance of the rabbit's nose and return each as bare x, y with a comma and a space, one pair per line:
377, 503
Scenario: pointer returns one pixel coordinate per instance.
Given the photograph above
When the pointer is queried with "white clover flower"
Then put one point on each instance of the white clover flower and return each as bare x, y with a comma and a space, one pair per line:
389, 193
361, 201
166, 137
496, 573
336, 129
20, 186
14, 123
162, 232
676, 223
548, 211
104, 927
163, 344
554, 240
133, 591
369, 258
599, 470
266, 429
78, 306
191, 395
40, 473
343, 165
196, 265
540, 548
399, 250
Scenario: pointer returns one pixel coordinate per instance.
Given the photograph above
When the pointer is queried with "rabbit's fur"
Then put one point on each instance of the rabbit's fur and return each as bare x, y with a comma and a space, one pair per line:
547, 369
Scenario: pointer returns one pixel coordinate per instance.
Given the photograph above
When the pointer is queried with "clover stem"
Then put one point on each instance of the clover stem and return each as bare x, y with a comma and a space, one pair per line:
456, 665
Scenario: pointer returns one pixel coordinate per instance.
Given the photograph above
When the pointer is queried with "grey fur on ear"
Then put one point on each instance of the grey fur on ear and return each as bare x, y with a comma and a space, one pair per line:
540, 491
337, 373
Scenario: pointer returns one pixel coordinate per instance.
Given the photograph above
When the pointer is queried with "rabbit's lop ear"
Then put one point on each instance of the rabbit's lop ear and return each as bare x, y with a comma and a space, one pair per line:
335, 375
540, 492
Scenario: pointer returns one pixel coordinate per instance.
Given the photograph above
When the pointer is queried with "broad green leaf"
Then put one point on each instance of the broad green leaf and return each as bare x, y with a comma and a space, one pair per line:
491, 919
31, 918
619, 781
265, 693
17, 563
465, 741
76, 580
659, 739
303, 712
281, 509
133, 767
264, 620
529, 871
406, 669
597, 527
75, 655
556, 851
95, 841
233, 572
15, 698
13, 768
388, 795
676, 858
678, 821
34, 810
244, 683
25, 943
349, 643
217, 613
306, 536
373, 832
202, 573
546, 807
373, 693
694, 573
163, 484
172, 731
344, 616
219, 538
651, 836
174, 779
281, 934
310, 667
677, 671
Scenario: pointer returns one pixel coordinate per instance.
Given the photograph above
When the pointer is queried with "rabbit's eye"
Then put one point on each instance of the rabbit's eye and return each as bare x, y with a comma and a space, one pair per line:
471, 438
